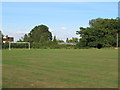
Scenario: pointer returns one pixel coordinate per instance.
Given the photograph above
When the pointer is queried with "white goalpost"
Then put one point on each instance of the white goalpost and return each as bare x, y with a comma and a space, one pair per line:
19, 43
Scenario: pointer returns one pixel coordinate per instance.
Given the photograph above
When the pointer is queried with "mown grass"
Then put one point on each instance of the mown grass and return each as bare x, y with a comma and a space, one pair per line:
60, 68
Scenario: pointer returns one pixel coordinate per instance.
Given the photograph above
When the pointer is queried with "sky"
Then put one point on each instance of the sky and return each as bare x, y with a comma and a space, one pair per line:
59, 0
62, 18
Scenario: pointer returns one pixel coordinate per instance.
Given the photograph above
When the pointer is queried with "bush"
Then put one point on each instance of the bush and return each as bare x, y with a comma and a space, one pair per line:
14, 45
45, 45
99, 46
51, 45
5, 45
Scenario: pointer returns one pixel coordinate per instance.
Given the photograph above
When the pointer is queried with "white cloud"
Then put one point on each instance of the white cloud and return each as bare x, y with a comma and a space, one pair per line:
63, 28
51, 30
19, 32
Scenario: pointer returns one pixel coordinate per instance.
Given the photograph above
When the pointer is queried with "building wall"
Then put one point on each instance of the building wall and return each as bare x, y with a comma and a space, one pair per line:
7, 39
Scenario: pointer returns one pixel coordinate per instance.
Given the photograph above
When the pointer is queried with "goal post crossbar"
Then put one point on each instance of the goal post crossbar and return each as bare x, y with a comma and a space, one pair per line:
19, 42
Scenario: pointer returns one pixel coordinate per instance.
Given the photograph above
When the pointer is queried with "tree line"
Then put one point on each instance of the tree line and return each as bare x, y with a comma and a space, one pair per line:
100, 33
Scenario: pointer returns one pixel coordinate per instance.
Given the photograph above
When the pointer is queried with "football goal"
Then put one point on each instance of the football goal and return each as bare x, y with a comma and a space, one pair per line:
10, 44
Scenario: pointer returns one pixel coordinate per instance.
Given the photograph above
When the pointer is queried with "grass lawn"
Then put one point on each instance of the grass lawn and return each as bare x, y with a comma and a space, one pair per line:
60, 68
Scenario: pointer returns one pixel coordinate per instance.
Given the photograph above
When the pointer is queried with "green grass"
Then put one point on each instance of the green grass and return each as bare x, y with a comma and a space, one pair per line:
60, 68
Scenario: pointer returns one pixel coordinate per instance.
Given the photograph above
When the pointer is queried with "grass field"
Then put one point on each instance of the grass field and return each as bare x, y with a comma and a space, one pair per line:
54, 68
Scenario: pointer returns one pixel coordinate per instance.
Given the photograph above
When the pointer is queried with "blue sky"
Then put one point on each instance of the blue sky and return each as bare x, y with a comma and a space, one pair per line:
62, 18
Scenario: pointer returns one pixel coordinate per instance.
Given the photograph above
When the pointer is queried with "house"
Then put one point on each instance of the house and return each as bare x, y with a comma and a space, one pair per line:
7, 39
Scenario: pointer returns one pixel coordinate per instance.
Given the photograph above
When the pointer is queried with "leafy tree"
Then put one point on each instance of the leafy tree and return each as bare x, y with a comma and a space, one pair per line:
67, 40
54, 39
1, 37
26, 38
101, 32
73, 40
40, 33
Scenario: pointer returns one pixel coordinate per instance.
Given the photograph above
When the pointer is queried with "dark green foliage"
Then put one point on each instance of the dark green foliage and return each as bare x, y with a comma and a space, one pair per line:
26, 38
54, 39
119, 31
67, 40
43, 45
40, 33
101, 31
60, 41
5, 45
51, 45
38, 45
99, 46
1, 37
73, 40
65, 46
14, 45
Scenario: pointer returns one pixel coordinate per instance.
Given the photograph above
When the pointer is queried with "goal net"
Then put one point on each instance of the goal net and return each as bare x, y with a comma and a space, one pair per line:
10, 44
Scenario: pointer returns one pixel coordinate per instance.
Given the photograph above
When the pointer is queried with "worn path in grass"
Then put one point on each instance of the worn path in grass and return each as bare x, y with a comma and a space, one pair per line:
54, 68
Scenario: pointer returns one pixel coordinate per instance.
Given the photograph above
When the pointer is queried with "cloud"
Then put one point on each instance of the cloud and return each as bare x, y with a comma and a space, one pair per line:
19, 32
51, 30
63, 28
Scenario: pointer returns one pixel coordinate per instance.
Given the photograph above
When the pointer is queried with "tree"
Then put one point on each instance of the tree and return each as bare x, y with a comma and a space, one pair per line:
67, 40
73, 40
102, 32
26, 38
54, 39
1, 37
21, 39
40, 33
